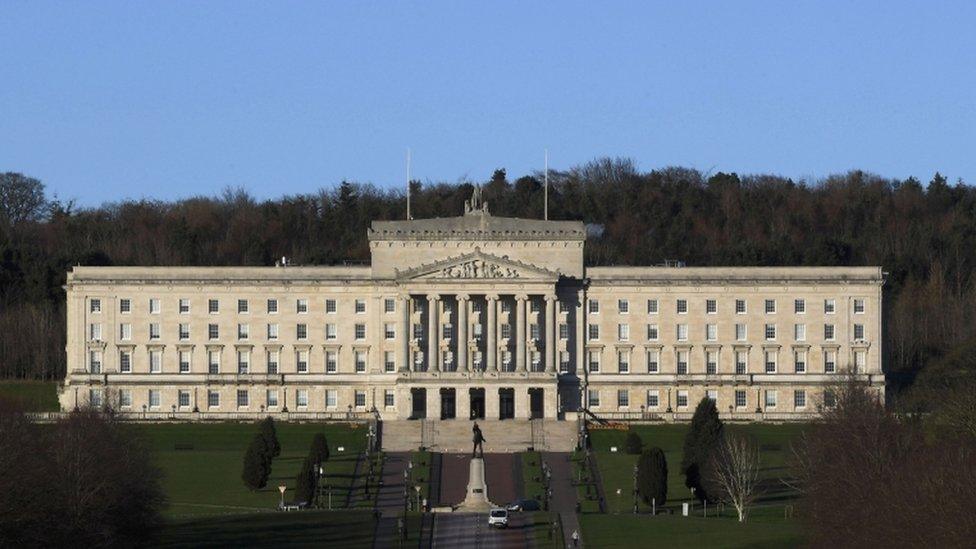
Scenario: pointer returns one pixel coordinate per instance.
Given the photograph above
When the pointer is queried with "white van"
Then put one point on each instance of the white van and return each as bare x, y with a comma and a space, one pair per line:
498, 517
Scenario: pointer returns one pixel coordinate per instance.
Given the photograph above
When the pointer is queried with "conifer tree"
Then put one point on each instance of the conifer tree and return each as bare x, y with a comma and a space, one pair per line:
270, 436
701, 443
652, 476
257, 464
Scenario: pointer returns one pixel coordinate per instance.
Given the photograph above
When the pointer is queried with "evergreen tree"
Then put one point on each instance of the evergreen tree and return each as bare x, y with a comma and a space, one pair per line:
701, 443
633, 443
305, 483
257, 464
270, 436
319, 452
652, 476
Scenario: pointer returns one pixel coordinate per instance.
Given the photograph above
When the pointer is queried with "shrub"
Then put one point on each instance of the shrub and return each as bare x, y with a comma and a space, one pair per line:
305, 483
319, 452
270, 436
633, 443
652, 476
701, 444
257, 464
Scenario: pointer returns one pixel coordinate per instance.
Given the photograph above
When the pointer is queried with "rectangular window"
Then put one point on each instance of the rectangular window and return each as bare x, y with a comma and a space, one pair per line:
652, 332
593, 398
830, 362
563, 306
740, 398
860, 361
389, 330
95, 398
652, 306
740, 332
155, 361
563, 331
154, 401
799, 306
360, 331
301, 306
594, 331
95, 362
682, 306
830, 306
271, 398
858, 332
594, 361
623, 398
331, 306
213, 306
711, 362
800, 362
535, 306
242, 398
623, 306
184, 306
623, 332
858, 306
184, 362
360, 362
125, 305
125, 398
740, 306
301, 331
272, 306
770, 332
535, 331
331, 398
506, 306
653, 361
593, 306
711, 306
243, 331
389, 361
389, 305
800, 332
770, 398
711, 332
829, 332
95, 306
741, 362
770, 362
273, 357
183, 399
330, 331
213, 399
506, 331
184, 332
301, 361
360, 306
95, 332
389, 399
829, 399
360, 399
682, 399
682, 332
331, 362
125, 361
213, 331
564, 362
653, 399
623, 362
536, 361
682, 362
154, 306
213, 362
243, 361
125, 332
712, 395
770, 306
507, 361
272, 332
242, 306
799, 398
301, 398
153, 331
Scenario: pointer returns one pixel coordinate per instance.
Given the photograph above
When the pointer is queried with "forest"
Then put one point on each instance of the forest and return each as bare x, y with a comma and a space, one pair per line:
923, 235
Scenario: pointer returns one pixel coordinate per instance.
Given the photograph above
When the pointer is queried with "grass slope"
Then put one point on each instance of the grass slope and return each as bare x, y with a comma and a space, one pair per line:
346, 529
32, 396
624, 531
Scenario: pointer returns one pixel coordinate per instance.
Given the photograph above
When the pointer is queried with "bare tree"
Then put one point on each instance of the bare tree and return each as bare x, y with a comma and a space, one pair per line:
735, 470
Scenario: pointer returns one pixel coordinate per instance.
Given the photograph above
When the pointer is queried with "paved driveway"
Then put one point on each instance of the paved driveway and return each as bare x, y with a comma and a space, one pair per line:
471, 530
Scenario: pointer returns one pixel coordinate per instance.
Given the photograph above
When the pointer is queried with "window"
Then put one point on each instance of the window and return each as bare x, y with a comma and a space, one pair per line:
154, 306
770, 399
829, 332
799, 306
563, 306
563, 331
593, 306
740, 398
682, 332
860, 361
301, 398
184, 306
535, 306
272, 306
242, 398
361, 361
623, 332
711, 332
858, 306
389, 305
682, 306
770, 332
243, 361
623, 306
711, 362
184, 332
213, 362
712, 395
95, 398
273, 358
830, 362
95, 332
830, 306
800, 332
534, 331
623, 398
155, 361
800, 362
95, 362
536, 361
653, 361
623, 362
507, 361
711, 306
330, 362
213, 306
360, 306
331, 398
594, 331
682, 399
213, 331
829, 399
741, 362
125, 332
183, 399
770, 306
301, 361
653, 399
360, 399
389, 330
301, 306
652, 332
593, 398
154, 398
271, 398
330, 306
125, 361
682, 362
563, 362
125, 398
740, 306
389, 361
272, 332
330, 331
799, 398
858, 332
389, 398
301, 331
770, 362
652, 306
506, 331
507, 306
242, 306
153, 330
594, 361
95, 306
477, 331
243, 331
184, 362
360, 331
740, 332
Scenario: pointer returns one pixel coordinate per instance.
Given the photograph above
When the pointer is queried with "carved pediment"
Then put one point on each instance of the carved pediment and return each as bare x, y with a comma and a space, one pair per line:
477, 266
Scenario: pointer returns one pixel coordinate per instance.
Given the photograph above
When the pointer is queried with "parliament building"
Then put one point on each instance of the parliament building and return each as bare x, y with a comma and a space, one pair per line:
469, 317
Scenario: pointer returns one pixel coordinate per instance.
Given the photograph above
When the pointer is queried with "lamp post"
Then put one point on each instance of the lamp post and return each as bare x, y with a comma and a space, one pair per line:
282, 489
635, 489
416, 487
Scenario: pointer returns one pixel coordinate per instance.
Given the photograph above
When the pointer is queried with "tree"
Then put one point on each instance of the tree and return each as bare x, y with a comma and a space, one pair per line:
319, 452
257, 464
305, 482
652, 476
633, 443
270, 436
701, 443
21, 198
734, 470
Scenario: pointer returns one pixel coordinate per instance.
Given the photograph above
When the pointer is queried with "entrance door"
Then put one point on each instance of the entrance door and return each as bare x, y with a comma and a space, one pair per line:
506, 403
419, 399
536, 402
477, 403
448, 404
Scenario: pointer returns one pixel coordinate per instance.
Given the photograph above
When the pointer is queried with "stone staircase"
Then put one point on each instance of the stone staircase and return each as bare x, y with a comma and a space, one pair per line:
454, 435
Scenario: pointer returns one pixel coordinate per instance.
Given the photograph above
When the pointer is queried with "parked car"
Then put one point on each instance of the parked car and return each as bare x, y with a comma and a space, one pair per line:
498, 517
523, 505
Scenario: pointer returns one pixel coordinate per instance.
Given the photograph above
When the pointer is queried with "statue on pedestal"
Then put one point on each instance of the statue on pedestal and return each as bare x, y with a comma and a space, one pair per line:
478, 450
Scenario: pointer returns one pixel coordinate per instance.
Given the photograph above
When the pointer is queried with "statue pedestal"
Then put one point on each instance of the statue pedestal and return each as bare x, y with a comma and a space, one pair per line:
476, 498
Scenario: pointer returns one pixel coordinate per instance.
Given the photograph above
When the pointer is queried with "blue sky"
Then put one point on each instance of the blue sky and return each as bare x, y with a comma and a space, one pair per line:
104, 101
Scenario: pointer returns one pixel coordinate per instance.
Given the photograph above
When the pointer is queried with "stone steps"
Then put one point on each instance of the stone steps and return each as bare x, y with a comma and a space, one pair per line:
455, 436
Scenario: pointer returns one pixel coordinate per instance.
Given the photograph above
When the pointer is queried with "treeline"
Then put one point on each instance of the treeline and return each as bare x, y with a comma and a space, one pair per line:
924, 235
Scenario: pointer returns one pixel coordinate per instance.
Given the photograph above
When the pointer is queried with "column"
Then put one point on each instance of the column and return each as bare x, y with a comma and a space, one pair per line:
491, 401
491, 344
433, 334
520, 332
403, 329
550, 333
522, 402
462, 333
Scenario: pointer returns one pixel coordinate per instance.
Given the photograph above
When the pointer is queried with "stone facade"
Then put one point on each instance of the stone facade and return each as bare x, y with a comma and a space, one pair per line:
475, 316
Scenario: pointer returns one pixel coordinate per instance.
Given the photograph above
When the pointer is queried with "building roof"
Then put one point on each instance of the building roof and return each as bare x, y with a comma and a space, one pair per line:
477, 225
752, 275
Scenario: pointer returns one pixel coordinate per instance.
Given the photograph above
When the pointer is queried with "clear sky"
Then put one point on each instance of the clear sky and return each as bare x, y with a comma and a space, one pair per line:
104, 101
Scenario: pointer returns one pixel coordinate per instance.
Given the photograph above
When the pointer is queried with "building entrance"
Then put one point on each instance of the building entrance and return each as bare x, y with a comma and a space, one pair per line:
448, 404
506, 403
477, 397
536, 402
418, 398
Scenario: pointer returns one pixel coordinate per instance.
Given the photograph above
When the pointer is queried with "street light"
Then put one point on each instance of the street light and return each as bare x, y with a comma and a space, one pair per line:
282, 489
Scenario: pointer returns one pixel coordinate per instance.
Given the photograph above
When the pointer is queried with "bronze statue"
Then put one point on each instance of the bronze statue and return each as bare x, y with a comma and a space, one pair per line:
479, 439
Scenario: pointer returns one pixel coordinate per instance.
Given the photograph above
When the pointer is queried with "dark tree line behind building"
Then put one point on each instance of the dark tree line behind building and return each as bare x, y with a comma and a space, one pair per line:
923, 234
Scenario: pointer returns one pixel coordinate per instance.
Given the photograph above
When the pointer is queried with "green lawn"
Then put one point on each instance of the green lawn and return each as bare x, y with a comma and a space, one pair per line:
33, 396
676, 531
420, 475
532, 476
206, 480
345, 529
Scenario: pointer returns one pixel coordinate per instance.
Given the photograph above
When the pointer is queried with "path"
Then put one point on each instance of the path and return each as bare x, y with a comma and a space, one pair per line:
564, 494
471, 530
389, 500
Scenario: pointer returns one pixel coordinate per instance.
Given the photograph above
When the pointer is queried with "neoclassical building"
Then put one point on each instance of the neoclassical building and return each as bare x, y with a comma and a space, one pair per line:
469, 317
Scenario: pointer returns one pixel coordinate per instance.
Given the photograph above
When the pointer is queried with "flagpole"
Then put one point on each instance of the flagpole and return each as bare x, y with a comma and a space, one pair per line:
408, 184
546, 204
